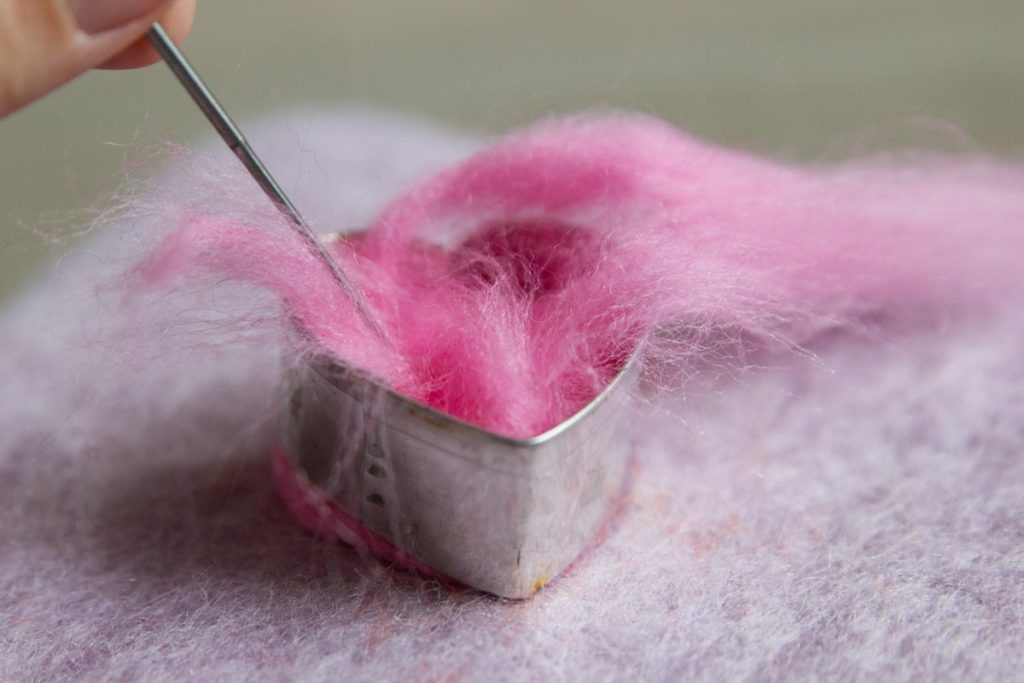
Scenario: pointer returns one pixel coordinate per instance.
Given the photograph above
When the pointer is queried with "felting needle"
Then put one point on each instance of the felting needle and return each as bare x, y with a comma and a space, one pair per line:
232, 135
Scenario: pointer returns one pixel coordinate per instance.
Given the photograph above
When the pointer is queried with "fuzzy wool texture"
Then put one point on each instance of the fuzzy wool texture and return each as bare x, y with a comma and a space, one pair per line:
515, 285
853, 513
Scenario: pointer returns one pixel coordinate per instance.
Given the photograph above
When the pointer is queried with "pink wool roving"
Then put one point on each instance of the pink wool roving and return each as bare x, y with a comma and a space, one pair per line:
515, 285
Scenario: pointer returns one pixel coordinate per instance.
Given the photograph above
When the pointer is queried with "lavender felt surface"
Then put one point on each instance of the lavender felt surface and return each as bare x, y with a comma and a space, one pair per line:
855, 515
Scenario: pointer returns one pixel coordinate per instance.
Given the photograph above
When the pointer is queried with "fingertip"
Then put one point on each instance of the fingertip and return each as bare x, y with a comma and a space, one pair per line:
177, 21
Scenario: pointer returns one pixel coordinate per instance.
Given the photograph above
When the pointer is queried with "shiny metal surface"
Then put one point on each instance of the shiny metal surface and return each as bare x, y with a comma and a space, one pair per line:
499, 514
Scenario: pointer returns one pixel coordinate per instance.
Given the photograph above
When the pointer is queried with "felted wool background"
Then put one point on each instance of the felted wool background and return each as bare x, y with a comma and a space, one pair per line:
854, 514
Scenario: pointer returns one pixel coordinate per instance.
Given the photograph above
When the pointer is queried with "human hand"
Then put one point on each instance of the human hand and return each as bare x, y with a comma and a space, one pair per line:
46, 43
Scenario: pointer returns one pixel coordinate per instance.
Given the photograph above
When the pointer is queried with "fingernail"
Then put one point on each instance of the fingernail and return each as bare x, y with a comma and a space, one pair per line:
96, 16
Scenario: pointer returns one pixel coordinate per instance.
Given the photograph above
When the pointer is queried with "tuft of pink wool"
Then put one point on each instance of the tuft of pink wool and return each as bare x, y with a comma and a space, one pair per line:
515, 285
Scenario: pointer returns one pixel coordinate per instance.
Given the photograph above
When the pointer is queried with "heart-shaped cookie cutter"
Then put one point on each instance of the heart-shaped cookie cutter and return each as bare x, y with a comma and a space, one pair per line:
416, 486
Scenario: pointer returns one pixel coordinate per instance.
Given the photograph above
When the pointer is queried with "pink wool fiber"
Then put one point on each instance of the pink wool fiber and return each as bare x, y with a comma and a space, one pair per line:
851, 514
515, 285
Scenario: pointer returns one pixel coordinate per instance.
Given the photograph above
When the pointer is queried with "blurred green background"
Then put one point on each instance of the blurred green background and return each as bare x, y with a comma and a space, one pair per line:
796, 79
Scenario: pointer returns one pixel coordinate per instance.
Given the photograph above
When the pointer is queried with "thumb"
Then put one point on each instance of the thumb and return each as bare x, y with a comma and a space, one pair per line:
45, 43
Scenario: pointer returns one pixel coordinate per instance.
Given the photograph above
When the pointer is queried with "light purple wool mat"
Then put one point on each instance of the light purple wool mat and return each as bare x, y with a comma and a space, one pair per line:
858, 515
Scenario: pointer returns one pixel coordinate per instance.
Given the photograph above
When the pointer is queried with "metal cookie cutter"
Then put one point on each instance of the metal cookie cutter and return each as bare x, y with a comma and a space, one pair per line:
416, 486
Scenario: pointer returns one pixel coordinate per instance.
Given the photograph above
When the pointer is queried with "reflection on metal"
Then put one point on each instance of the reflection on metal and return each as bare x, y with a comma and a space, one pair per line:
499, 514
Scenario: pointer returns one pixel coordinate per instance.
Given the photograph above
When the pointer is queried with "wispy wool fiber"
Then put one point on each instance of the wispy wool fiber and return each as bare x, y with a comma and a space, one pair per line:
855, 516
514, 285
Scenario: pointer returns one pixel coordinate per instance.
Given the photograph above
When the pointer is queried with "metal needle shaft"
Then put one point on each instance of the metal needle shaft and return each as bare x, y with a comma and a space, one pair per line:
232, 135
